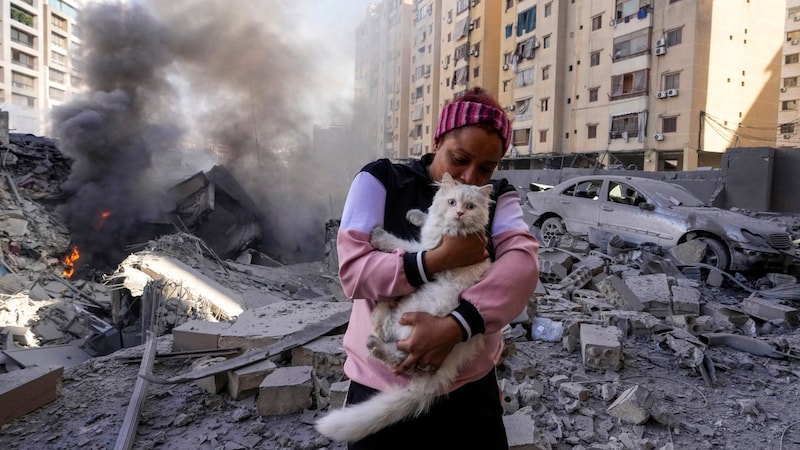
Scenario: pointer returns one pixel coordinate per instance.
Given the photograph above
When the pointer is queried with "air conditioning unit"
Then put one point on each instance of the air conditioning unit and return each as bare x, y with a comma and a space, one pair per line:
510, 107
473, 52
444, 66
661, 42
613, 23
672, 92
658, 137
505, 66
783, 89
661, 94
536, 44
787, 136
794, 42
797, 18
473, 3
449, 20
661, 51
471, 24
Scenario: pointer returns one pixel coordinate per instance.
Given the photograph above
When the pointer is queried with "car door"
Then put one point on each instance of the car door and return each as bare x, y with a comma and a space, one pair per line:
578, 205
620, 213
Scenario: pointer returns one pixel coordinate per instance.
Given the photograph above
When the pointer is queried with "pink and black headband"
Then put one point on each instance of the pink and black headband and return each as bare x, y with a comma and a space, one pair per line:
462, 113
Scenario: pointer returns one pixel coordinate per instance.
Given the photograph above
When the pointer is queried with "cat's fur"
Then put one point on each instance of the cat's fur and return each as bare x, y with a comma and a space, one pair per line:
457, 210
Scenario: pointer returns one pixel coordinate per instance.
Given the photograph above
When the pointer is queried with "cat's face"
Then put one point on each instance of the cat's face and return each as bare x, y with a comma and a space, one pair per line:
463, 204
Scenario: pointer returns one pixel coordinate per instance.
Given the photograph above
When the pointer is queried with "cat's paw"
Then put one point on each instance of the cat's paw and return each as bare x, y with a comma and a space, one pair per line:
416, 217
378, 237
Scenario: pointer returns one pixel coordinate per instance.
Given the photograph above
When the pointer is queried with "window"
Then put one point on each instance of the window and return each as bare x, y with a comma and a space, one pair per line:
58, 22
58, 58
509, 30
625, 126
629, 84
787, 128
509, 4
546, 41
526, 21
674, 37
22, 81
76, 82
597, 22
57, 76
672, 81
789, 105
548, 9
594, 59
591, 131
57, 94
542, 135
461, 52
546, 73
524, 49
521, 136
22, 37
544, 104
24, 101
669, 124
624, 194
632, 44
58, 40
593, 94
461, 6
792, 35
790, 82
22, 59
524, 78
792, 59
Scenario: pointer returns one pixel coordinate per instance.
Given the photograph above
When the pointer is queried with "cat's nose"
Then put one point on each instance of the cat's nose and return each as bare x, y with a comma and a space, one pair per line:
460, 213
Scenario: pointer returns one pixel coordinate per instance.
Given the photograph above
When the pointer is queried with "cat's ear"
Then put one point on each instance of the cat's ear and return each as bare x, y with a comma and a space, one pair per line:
487, 189
447, 178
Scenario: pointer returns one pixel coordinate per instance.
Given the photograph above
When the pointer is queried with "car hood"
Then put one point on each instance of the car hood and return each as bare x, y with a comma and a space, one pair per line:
730, 219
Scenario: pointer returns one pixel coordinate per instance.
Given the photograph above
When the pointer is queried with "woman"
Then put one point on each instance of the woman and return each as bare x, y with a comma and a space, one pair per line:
471, 138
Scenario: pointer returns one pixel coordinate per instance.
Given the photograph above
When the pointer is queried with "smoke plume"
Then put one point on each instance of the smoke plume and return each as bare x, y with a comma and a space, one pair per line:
175, 87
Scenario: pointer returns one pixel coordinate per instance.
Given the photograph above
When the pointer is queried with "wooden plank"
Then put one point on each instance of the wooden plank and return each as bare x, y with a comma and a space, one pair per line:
300, 337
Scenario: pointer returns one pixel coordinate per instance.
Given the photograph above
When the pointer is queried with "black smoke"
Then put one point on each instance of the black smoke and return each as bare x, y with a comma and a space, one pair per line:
175, 87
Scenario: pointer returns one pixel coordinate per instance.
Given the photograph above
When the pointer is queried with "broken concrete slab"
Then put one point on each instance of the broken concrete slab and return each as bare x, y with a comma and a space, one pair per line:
23, 391
197, 335
66, 355
263, 326
245, 381
632, 406
769, 309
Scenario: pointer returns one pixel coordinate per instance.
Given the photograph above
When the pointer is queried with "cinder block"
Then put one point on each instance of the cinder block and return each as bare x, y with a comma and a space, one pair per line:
632, 406
767, 309
594, 263
286, 390
601, 347
685, 300
617, 292
197, 335
338, 393
577, 279
653, 291
325, 354
245, 381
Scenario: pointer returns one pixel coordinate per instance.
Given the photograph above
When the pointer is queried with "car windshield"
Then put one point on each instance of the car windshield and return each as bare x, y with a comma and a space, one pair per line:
666, 194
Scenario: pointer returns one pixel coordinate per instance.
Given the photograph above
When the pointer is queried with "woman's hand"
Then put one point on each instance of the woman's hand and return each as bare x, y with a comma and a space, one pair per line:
430, 342
457, 251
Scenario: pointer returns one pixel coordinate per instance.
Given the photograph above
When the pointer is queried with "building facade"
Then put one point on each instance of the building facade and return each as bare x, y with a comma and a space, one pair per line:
40, 57
650, 84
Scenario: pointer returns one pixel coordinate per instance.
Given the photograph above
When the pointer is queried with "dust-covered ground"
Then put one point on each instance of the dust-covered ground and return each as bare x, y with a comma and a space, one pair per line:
751, 405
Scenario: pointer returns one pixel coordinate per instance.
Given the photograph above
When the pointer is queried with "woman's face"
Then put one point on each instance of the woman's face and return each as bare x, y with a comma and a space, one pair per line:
470, 154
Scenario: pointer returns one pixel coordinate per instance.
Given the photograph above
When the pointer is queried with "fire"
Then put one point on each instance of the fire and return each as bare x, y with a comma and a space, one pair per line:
69, 260
101, 220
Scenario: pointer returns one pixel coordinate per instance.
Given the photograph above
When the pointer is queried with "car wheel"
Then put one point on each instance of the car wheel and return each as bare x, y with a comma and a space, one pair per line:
716, 254
551, 230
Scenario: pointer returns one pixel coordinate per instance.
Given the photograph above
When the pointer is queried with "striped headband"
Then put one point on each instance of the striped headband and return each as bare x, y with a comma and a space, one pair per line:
462, 113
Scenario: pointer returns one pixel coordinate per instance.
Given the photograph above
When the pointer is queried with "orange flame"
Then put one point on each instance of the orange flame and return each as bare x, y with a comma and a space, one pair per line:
69, 260
101, 220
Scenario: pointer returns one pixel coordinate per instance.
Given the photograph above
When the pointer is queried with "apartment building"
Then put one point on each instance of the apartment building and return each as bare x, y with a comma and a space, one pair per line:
40, 59
651, 84
788, 113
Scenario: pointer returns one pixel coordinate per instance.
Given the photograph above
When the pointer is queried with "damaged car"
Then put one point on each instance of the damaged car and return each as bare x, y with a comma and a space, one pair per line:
646, 211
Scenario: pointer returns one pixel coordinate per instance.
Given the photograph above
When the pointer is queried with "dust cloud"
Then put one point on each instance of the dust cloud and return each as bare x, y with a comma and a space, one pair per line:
177, 87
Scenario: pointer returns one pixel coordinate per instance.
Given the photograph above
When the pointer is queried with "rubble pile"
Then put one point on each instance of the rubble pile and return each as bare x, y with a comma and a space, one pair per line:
627, 348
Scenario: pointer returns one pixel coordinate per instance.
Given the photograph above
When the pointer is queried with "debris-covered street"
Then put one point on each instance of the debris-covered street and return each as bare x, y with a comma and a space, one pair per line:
643, 349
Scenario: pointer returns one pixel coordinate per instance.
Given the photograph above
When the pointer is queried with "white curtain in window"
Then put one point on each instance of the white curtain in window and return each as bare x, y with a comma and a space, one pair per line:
642, 125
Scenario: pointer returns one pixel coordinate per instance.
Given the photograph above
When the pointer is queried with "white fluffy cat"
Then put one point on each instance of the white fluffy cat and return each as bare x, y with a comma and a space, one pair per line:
457, 210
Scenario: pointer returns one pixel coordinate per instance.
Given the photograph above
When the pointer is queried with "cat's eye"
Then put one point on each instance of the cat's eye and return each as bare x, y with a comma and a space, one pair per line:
470, 206
451, 202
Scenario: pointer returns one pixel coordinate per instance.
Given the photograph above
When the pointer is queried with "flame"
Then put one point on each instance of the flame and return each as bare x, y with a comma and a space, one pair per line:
101, 220
69, 260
